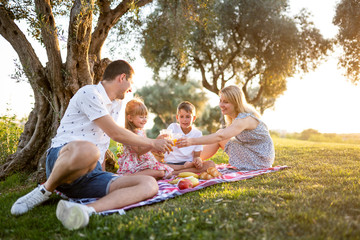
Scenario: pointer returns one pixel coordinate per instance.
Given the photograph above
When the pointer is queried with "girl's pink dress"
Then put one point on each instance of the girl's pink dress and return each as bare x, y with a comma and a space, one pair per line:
130, 162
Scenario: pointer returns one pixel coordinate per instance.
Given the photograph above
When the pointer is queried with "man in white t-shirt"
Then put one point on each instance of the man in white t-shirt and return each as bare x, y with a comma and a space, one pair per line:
186, 159
73, 164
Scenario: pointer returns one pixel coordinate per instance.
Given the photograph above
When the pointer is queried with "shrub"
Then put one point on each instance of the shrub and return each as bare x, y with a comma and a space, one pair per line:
10, 131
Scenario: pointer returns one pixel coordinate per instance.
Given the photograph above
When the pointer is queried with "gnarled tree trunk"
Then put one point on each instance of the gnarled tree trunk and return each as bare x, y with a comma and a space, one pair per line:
57, 82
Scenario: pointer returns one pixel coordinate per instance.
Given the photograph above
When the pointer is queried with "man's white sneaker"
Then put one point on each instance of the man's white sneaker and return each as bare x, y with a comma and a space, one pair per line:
30, 200
73, 215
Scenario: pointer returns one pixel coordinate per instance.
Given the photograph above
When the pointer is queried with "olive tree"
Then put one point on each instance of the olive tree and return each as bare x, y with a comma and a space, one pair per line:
253, 43
56, 81
347, 18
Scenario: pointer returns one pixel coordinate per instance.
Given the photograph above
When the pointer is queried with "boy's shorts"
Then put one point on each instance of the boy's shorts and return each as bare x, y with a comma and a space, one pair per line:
94, 184
177, 163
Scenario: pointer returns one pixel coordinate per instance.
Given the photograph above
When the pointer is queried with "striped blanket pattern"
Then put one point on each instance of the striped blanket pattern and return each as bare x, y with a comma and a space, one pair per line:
167, 190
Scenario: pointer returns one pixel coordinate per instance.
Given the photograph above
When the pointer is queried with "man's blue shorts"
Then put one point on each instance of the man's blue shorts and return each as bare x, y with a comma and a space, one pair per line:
94, 184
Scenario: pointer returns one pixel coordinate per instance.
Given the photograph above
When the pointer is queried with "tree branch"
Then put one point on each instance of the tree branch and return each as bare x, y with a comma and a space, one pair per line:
77, 62
227, 63
233, 74
51, 42
28, 58
203, 75
107, 19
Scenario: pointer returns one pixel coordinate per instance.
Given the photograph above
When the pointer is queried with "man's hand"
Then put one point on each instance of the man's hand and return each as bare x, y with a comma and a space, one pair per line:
159, 156
198, 162
162, 145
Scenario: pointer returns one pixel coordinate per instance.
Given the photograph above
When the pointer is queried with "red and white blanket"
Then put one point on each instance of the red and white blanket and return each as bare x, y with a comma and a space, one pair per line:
167, 190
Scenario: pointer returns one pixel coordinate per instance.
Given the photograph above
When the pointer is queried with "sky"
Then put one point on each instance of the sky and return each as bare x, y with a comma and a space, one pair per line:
323, 99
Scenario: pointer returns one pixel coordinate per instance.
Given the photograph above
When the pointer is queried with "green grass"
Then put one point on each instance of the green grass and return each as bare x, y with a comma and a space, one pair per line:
317, 198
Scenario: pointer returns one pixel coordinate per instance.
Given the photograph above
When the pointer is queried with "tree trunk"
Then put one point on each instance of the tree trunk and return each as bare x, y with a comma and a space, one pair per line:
35, 140
56, 83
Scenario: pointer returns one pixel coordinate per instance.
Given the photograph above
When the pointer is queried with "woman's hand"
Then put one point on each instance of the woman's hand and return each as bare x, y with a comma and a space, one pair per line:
184, 142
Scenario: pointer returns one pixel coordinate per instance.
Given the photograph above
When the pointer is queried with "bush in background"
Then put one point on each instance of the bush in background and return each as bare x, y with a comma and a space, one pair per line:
10, 131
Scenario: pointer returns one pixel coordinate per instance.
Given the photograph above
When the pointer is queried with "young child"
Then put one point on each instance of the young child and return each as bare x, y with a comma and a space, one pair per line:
139, 160
187, 158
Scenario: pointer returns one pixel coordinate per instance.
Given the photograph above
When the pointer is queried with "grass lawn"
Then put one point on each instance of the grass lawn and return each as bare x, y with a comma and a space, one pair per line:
317, 198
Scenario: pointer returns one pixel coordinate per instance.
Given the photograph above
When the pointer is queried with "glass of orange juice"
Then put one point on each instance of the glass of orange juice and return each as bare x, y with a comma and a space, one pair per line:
175, 137
167, 132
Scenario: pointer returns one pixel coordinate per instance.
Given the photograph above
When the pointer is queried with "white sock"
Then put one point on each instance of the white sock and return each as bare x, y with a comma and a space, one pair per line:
48, 193
91, 210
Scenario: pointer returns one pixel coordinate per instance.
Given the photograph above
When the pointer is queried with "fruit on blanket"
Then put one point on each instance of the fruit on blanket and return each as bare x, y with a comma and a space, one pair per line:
193, 180
184, 184
213, 172
205, 176
188, 174
175, 181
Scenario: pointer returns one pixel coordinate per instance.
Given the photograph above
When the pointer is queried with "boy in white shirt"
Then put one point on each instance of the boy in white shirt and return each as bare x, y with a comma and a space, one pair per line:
186, 159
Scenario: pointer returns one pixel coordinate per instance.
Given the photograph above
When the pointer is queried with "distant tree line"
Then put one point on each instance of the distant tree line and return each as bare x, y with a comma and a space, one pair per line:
315, 136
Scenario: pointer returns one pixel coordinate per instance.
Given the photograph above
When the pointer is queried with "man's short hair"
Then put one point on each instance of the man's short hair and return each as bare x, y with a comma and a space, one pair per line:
187, 107
116, 68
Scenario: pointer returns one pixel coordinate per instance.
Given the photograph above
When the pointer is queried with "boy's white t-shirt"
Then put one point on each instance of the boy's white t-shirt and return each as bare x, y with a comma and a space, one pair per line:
185, 154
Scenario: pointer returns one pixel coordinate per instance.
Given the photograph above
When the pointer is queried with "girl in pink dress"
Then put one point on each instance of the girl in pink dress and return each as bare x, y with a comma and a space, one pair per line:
139, 160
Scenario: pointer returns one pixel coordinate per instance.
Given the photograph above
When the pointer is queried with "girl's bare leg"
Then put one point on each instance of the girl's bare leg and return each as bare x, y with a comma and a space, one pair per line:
175, 167
158, 174
206, 165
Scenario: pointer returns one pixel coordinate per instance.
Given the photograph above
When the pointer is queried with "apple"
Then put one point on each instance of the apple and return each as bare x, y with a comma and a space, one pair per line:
193, 180
184, 184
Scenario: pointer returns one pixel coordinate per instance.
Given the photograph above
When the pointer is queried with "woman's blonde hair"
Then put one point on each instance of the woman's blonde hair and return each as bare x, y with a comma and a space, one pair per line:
234, 95
134, 107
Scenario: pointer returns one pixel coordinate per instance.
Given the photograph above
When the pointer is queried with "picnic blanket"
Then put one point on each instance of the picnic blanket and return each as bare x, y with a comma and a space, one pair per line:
168, 190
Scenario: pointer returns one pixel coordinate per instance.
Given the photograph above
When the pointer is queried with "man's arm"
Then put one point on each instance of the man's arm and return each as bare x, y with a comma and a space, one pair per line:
122, 135
141, 150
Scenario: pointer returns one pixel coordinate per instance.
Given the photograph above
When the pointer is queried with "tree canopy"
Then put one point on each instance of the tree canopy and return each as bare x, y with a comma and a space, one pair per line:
347, 18
255, 44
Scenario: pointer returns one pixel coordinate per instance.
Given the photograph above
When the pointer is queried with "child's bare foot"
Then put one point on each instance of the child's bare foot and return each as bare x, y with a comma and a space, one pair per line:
189, 165
198, 163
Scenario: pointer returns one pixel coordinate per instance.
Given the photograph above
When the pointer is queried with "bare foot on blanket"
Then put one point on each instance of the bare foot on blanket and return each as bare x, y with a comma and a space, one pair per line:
198, 163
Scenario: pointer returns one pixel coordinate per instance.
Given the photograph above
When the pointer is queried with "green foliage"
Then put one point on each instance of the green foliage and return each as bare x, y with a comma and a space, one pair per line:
347, 18
305, 135
163, 97
317, 198
253, 43
10, 131
209, 121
